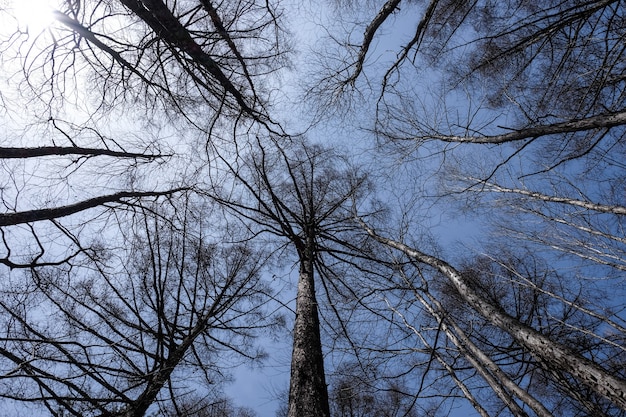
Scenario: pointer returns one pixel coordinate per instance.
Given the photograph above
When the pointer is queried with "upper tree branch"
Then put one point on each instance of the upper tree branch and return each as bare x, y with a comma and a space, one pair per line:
416, 41
221, 29
168, 28
602, 208
601, 121
84, 32
545, 349
10, 219
370, 31
21, 153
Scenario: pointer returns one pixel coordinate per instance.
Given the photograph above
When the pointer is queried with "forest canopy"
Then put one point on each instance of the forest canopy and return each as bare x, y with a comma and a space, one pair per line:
423, 202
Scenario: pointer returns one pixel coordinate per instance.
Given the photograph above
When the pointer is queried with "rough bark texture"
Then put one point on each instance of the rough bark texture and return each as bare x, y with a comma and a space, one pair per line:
308, 393
498, 380
601, 121
546, 350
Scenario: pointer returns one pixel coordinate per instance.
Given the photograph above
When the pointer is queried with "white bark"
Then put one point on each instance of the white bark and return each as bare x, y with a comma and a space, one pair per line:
540, 346
602, 121
482, 362
602, 208
503, 395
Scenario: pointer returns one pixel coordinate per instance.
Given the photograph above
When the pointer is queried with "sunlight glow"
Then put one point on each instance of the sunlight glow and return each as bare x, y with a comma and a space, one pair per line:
33, 15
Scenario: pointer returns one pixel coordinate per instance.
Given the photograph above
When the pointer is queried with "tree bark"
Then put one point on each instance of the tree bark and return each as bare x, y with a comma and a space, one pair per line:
20, 217
308, 393
546, 350
388, 8
488, 369
23, 153
600, 121
601, 208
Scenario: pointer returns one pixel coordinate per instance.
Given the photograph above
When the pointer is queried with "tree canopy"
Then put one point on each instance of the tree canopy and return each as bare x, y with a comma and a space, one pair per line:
426, 198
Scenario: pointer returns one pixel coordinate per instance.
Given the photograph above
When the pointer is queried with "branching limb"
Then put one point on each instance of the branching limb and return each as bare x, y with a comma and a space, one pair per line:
388, 8
11, 219
542, 347
601, 121
602, 208
22, 153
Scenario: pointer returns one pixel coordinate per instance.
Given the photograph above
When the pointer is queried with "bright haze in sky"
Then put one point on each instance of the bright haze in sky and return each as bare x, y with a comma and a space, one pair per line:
32, 15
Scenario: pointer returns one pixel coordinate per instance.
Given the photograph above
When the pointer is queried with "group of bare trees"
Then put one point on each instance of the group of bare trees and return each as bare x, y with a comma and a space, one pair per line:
151, 186
135, 326
521, 121
124, 292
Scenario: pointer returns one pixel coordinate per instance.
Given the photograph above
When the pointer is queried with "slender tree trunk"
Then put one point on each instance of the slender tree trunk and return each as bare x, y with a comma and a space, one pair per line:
543, 348
308, 394
497, 379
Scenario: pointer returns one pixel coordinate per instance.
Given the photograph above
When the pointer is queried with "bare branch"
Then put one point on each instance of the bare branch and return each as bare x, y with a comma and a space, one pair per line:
588, 372
388, 8
159, 17
602, 208
21, 153
10, 219
601, 121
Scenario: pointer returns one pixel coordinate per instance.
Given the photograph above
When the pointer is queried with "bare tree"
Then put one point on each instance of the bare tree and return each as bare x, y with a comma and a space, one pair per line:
301, 193
118, 296
552, 355
50, 192
517, 110
523, 121
181, 54
117, 337
100, 103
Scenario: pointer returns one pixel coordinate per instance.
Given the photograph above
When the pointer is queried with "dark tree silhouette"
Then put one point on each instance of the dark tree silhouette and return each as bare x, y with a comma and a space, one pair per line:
516, 110
117, 337
302, 193
116, 288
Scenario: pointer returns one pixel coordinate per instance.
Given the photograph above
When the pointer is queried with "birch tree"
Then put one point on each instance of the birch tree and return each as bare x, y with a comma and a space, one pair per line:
550, 353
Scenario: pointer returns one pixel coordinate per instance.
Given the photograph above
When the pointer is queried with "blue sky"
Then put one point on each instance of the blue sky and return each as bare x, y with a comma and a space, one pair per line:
410, 186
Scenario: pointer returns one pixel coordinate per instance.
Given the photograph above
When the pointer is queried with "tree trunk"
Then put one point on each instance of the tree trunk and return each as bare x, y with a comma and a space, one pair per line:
544, 349
497, 379
308, 394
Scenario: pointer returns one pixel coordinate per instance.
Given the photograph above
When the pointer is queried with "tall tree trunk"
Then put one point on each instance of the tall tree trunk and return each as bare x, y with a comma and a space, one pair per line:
497, 379
308, 394
551, 353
